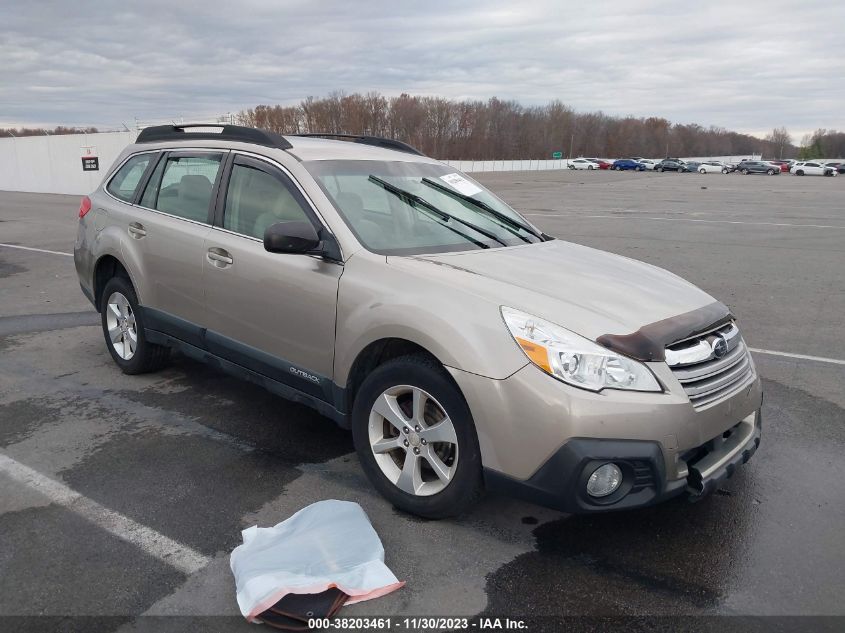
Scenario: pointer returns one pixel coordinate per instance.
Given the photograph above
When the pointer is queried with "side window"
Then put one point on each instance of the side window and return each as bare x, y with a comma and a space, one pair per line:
185, 187
256, 199
125, 181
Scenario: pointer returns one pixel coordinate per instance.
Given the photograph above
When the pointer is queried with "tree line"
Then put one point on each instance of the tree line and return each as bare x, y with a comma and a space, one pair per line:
823, 144
40, 131
498, 129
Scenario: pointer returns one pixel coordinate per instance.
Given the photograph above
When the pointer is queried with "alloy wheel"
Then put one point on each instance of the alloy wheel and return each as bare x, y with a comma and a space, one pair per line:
120, 324
413, 440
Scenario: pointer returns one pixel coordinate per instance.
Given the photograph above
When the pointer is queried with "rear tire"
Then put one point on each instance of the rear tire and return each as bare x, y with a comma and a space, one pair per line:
123, 329
771, 172
724, 171
660, 169
432, 478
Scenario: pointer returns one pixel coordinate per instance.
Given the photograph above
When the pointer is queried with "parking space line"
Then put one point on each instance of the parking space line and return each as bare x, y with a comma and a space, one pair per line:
820, 359
629, 216
177, 555
37, 250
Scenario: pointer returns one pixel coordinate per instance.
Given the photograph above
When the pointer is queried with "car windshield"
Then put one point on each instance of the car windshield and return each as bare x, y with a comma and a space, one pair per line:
410, 208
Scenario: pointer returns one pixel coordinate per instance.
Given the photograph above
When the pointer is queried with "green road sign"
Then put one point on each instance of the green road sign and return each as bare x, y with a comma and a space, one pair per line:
557, 155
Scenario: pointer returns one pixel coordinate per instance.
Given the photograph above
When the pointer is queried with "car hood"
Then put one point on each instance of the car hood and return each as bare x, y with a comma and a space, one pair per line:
586, 290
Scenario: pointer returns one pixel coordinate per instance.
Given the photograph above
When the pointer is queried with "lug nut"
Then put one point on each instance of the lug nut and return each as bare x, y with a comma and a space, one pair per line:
406, 430
418, 428
416, 450
423, 441
405, 442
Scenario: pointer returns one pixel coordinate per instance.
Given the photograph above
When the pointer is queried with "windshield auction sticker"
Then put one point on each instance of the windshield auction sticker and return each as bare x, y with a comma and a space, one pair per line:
460, 183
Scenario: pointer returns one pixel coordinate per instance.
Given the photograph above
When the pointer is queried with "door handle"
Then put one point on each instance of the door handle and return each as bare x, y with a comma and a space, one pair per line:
219, 257
136, 230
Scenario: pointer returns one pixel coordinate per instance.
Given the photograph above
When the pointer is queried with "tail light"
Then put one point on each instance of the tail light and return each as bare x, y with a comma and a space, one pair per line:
84, 206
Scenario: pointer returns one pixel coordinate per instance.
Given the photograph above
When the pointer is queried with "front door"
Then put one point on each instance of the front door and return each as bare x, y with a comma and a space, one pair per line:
269, 312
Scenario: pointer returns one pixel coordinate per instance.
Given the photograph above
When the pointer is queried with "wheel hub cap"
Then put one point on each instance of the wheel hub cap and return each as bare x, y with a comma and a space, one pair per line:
120, 326
413, 440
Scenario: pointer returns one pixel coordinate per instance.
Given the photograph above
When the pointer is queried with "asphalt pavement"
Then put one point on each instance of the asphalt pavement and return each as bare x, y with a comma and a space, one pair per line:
122, 496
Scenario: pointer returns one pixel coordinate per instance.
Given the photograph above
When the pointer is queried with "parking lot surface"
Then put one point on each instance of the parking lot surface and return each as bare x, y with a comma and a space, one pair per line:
122, 496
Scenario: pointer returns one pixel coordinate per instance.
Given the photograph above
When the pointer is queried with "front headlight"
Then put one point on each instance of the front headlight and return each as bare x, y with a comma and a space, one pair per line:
574, 359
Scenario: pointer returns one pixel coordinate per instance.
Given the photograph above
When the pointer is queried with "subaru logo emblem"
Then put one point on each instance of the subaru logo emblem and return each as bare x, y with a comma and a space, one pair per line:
720, 347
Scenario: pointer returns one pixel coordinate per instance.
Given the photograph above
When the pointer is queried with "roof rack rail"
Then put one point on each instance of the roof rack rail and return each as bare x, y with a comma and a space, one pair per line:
227, 132
378, 141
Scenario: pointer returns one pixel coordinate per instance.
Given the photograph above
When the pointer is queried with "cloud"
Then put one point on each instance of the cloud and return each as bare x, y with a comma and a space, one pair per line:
746, 66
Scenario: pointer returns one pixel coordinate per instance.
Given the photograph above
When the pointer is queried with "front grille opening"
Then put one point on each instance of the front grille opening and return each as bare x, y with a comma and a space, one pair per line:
712, 380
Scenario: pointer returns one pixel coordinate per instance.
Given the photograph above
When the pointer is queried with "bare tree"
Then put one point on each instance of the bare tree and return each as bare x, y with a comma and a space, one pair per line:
779, 139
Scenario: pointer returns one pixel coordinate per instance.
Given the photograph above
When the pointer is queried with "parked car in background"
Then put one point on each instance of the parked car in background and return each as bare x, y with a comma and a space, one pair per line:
713, 167
691, 166
782, 164
626, 164
583, 163
603, 164
813, 168
648, 163
746, 167
841, 168
835, 165
670, 164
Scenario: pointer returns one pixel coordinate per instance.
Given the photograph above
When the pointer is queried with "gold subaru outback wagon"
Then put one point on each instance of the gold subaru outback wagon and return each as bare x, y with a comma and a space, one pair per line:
464, 348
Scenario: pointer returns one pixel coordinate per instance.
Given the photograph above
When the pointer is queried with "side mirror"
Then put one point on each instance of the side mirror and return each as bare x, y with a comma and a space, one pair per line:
291, 237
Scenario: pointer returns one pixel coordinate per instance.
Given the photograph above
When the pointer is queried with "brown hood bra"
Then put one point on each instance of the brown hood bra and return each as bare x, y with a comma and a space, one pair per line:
650, 341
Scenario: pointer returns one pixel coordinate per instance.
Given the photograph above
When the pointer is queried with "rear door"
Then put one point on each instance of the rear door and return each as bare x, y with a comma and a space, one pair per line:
273, 313
176, 211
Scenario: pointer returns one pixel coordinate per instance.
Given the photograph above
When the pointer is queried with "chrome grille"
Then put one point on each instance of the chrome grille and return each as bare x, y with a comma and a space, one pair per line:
712, 366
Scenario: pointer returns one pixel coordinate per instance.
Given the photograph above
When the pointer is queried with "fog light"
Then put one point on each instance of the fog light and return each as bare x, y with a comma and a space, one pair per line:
605, 480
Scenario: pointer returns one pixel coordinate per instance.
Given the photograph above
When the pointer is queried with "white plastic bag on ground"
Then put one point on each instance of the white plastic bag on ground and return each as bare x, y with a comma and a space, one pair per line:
327, 544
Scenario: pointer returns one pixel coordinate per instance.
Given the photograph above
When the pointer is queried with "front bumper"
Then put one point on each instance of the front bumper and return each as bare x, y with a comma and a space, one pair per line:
538, 435
561, 482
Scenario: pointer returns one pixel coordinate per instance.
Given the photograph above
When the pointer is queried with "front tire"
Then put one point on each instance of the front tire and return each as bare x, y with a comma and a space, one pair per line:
744, 172
724, 171
123, 329
800, 172
771, 172
660, 170
702, 171
416, 439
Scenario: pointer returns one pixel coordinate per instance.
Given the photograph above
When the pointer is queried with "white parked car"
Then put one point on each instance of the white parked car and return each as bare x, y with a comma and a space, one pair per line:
713, 167
583, 163
648, 162
812, 168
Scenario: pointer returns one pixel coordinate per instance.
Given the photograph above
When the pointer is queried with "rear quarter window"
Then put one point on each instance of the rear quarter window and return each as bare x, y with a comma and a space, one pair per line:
125, 182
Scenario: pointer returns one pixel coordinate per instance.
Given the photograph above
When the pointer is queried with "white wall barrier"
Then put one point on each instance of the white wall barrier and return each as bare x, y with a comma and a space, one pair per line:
469, 166
53, 164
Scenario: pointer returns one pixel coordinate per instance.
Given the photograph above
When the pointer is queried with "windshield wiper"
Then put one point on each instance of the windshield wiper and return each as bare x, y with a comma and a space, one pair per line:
444, 217
483, 206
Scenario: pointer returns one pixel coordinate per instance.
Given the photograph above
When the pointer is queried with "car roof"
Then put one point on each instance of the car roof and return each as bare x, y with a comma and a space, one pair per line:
303, 148
315, 148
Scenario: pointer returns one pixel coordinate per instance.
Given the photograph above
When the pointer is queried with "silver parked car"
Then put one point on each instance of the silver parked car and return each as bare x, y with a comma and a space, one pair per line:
464, 348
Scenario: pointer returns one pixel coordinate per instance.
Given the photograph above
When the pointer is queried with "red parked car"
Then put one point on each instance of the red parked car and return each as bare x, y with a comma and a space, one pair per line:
603, 164
784, 165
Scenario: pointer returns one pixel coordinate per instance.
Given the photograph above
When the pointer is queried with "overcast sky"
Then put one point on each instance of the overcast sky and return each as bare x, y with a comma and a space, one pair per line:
744, 65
